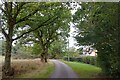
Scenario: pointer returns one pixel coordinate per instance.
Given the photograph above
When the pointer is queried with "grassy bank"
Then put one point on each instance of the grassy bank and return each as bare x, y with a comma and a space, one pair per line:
32, 68
84, 70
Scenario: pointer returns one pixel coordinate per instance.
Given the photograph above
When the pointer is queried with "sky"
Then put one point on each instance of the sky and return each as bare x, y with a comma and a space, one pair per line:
72, 33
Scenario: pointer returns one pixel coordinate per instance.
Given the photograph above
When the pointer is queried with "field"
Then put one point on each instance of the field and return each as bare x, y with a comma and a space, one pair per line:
30, 68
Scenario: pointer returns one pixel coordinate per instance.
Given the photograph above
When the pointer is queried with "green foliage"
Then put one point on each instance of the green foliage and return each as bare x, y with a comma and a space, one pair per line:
36, 49
57, 49
20, 18
80, 51
84, 59
48, 33
89, 60
72, 52
22, 52
98, 25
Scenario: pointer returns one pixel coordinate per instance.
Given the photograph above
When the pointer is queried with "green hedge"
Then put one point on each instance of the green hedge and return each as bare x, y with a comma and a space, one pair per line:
84, 59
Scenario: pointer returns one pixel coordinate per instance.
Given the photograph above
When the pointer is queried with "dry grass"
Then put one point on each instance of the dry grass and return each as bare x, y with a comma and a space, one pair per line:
42, 72
26, 65
32, 68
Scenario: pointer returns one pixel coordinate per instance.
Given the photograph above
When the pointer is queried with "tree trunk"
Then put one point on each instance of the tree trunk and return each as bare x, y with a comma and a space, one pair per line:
42, 57
45, 55
7, 70
45, 59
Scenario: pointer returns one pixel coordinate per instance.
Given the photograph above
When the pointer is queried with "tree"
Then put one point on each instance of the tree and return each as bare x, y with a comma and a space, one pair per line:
16, 15
98, 26
49, 33
2, 47
36, 49
58, 48
45, 35
80, 51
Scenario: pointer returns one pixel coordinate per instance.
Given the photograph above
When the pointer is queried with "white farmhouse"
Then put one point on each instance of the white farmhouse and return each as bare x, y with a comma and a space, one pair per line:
88, 51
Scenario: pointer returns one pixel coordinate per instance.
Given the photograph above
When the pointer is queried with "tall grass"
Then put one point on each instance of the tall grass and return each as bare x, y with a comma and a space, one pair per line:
32, 68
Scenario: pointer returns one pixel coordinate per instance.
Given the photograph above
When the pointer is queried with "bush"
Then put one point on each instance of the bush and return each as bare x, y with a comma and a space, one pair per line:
65, 58
70, 58
84, 59
88, 60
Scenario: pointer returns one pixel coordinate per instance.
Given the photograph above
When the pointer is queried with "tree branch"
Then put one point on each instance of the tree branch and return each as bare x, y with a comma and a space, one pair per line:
5, 34
3, 10
43, 24
26, 17
6, 9
28, 40
50, 40
18, 9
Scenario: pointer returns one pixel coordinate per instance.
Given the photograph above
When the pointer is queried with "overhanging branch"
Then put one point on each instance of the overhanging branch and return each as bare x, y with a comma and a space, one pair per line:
28, 40
43, 24
18, 9
5, 34
3, 10
26, 17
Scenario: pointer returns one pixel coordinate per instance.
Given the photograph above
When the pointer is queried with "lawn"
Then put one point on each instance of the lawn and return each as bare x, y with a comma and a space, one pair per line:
84, 70
32, 68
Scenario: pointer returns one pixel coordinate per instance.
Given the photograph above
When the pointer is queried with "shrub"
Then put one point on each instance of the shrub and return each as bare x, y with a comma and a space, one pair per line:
84, 59
88, 60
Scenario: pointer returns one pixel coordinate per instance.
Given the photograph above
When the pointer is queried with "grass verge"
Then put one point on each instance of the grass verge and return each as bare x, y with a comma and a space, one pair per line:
84, 70
32, 69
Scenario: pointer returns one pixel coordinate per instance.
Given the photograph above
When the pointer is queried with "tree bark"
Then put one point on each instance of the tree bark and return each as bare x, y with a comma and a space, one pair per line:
7, 70
45, 59
42, 57
46, 55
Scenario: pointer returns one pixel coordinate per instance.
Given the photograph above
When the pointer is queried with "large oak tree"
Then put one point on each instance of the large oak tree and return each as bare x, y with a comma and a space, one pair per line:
46, 35
16, 15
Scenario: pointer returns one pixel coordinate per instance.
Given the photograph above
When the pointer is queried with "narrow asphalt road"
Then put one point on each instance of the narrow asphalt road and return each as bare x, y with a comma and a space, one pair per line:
62, 70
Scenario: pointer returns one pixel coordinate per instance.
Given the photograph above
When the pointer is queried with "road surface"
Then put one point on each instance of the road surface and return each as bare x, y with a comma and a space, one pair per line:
62, 70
